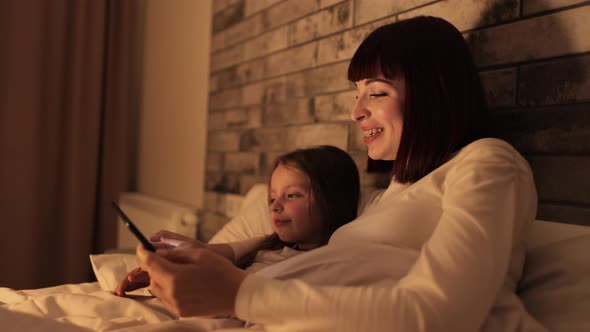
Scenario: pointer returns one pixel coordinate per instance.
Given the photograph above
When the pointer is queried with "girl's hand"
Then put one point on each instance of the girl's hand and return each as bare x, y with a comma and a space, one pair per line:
192, 281
135, 279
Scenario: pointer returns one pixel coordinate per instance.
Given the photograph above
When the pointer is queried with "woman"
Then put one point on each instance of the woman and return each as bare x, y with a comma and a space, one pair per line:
464, 202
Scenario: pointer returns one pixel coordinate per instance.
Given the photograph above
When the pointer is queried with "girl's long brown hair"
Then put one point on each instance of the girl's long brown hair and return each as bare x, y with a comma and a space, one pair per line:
335, 186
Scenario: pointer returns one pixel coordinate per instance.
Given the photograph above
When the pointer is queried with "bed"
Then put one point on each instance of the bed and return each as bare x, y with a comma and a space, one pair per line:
555, 286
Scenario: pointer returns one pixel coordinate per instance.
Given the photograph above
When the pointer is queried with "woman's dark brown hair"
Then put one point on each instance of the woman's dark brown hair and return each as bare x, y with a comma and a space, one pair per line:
335, 185
445, 105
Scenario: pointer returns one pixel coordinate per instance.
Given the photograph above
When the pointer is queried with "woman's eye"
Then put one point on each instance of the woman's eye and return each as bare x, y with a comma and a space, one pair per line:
379, 94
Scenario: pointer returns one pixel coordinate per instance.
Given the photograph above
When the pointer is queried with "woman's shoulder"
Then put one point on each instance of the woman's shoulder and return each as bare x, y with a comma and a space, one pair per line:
489, 148
490, 152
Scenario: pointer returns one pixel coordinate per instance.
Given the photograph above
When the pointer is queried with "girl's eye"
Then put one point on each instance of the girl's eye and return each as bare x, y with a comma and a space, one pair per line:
271, 200
293, 195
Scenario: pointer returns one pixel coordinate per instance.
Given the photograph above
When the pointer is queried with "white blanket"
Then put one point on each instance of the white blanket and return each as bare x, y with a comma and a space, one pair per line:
83, 307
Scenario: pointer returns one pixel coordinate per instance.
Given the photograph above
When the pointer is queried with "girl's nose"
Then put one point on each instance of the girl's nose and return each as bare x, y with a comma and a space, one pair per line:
276, 206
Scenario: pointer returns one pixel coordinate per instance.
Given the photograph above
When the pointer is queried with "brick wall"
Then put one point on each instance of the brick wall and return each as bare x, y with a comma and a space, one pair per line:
278, 82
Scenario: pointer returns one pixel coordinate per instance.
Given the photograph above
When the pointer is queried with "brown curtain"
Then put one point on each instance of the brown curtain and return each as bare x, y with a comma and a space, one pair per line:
67, 113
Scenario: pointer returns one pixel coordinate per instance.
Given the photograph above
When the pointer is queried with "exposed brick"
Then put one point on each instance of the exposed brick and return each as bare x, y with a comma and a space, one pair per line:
355, 135
228, 17
370, 10
469, 14
555, 82
219, 5
328, 3
212, 179
562, 178
240, 31
535, 6
248, 181
264, 139
296, 111
295, 85
214, 161
342, 46
227, 77
283, 88
320, 24
222, 182
304, 29
244, 162
209, 224
269, 42
541, 37
334, 107
254, 6
244, 118
291, 60
317, 134
288, 11
211, 200
251, 71
239, 74
275, 91
326, 79
374, 180
213, 84
253, 94
569, 214
268, 160
500, 87
557, 130
224, 141
335, 18
216, 121
227, 57
225, 99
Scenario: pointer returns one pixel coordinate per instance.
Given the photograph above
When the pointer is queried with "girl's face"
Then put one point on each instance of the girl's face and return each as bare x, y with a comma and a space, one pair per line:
294, 214
378, 111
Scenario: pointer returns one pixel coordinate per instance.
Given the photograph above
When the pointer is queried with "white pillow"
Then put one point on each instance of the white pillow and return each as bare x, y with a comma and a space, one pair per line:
253, 219
110, 269
555, 286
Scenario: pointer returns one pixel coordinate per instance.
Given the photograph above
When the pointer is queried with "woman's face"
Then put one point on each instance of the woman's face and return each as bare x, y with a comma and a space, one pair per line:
294, 215
378, 111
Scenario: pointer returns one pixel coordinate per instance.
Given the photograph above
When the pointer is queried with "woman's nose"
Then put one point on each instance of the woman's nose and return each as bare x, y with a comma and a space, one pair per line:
359, 111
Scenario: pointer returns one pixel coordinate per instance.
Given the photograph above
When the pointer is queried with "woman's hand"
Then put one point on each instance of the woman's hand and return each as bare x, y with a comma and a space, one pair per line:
192, 281
135, 279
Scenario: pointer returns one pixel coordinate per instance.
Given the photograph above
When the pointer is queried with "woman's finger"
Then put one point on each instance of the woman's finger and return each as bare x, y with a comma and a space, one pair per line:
154, 264
183, 255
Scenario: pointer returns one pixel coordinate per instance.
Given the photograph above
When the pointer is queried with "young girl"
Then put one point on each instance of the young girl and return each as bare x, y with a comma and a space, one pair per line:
312, 192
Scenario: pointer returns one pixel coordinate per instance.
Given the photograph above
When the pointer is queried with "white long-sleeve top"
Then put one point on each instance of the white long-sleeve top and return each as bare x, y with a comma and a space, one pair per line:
466, 219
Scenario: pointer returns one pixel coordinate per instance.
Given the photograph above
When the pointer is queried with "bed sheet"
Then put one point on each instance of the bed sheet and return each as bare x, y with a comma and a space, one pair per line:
86, 307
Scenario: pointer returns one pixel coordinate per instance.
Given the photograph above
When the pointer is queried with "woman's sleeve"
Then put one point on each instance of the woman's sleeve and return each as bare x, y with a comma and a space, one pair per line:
489, 196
